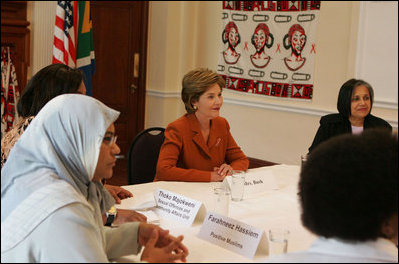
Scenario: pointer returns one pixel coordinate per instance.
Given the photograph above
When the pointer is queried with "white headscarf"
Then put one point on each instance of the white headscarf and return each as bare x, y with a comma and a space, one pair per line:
62, 143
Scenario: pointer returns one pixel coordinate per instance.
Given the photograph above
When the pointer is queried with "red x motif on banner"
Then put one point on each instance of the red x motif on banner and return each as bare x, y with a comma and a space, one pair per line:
246, 45
313, 48
278, 48
229, 4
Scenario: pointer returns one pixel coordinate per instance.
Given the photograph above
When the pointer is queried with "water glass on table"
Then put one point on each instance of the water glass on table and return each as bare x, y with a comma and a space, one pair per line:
221, 200
237, 185
278, 241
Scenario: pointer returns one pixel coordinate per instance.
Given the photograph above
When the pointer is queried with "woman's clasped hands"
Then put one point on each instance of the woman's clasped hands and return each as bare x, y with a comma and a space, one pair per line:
219, 173
160, 246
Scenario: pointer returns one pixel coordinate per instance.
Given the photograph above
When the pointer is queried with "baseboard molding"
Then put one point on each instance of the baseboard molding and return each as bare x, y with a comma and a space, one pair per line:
161, 94
385, 104
270, 106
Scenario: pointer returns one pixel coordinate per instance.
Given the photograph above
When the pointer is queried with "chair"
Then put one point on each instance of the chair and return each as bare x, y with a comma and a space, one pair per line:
143, 155
256, 163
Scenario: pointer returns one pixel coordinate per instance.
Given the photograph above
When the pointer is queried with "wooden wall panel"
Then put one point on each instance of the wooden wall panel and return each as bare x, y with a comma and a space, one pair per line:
15, 33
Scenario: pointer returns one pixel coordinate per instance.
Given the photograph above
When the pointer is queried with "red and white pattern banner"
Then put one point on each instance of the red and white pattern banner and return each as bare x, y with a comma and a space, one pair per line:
9, 92
269, 47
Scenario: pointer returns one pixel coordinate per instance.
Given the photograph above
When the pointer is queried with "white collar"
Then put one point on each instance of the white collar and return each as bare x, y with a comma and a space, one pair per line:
380, 249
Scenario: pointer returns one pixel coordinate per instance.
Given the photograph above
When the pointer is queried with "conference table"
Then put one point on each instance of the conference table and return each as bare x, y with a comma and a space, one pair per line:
273, 208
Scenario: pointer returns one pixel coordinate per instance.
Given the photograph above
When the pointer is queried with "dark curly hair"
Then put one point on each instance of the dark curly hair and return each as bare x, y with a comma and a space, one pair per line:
49, 82
349, 185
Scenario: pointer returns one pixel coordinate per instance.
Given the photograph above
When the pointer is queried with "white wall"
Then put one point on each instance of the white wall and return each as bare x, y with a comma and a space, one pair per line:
185, 34
374, 44
42, 18
267, 128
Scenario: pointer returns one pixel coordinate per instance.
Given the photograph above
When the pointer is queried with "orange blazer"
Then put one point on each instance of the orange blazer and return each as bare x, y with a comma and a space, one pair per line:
185, 156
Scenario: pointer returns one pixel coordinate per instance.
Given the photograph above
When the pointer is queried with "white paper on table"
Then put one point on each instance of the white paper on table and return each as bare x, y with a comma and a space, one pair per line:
146, 205
144, 202
257, 182
152, 217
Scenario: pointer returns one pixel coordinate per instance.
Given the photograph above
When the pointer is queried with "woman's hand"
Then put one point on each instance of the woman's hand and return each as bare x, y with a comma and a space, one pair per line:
124, 216
161, 244
172, 252
215, 176
225, 170
118, 192
219, 173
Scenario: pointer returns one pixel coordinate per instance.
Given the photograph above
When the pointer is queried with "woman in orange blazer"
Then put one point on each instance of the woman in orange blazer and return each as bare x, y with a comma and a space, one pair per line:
198, 146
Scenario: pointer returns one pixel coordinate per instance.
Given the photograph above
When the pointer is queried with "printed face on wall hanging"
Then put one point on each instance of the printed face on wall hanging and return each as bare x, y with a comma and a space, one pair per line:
296, 41
231, 36
261, 39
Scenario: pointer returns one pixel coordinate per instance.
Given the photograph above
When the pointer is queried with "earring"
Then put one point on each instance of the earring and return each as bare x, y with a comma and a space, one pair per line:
195, 107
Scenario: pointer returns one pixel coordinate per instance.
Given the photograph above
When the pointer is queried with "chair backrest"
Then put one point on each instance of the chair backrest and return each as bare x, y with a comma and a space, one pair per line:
143, 155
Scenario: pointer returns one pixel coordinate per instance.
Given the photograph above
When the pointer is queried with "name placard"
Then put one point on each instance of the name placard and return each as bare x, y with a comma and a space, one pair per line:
257, 182
231, 234
176, 207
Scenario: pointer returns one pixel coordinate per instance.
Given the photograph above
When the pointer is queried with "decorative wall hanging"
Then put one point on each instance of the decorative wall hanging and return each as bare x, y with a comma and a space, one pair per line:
269, 47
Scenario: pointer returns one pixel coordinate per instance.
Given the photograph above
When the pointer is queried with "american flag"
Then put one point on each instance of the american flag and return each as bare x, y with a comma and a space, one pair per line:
64, 50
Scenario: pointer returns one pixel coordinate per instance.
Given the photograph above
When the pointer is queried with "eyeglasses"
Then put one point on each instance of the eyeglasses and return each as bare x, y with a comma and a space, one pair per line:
110, 140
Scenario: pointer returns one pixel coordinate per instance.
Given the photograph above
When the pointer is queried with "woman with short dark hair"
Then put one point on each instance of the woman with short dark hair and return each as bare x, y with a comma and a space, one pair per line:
49, 82
52, 80
199, 146
354, 104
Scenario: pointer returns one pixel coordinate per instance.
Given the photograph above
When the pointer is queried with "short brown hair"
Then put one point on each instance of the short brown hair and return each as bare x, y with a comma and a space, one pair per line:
195, 83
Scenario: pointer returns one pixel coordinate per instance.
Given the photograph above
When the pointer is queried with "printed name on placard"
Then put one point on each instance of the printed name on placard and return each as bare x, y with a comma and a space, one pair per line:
257, 182
254, 182
231, 234
176, 207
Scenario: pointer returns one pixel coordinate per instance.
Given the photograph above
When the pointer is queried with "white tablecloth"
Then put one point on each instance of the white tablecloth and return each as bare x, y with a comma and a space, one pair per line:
274, 208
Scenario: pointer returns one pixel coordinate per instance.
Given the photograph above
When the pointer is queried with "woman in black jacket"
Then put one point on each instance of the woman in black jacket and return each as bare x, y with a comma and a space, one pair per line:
355, 101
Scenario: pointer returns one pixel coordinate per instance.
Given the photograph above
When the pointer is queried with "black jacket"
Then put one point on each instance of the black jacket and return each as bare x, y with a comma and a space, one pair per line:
336, 124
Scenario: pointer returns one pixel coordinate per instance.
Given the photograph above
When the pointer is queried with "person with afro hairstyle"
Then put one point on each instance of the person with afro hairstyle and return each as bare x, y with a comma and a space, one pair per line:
348, 191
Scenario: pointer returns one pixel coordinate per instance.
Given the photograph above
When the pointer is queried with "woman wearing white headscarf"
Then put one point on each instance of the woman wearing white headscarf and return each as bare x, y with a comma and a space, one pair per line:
52, 198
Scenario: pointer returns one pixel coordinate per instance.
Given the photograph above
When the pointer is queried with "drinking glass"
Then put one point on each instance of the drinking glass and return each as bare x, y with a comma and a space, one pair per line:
278, 241
237, 185
221, 200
